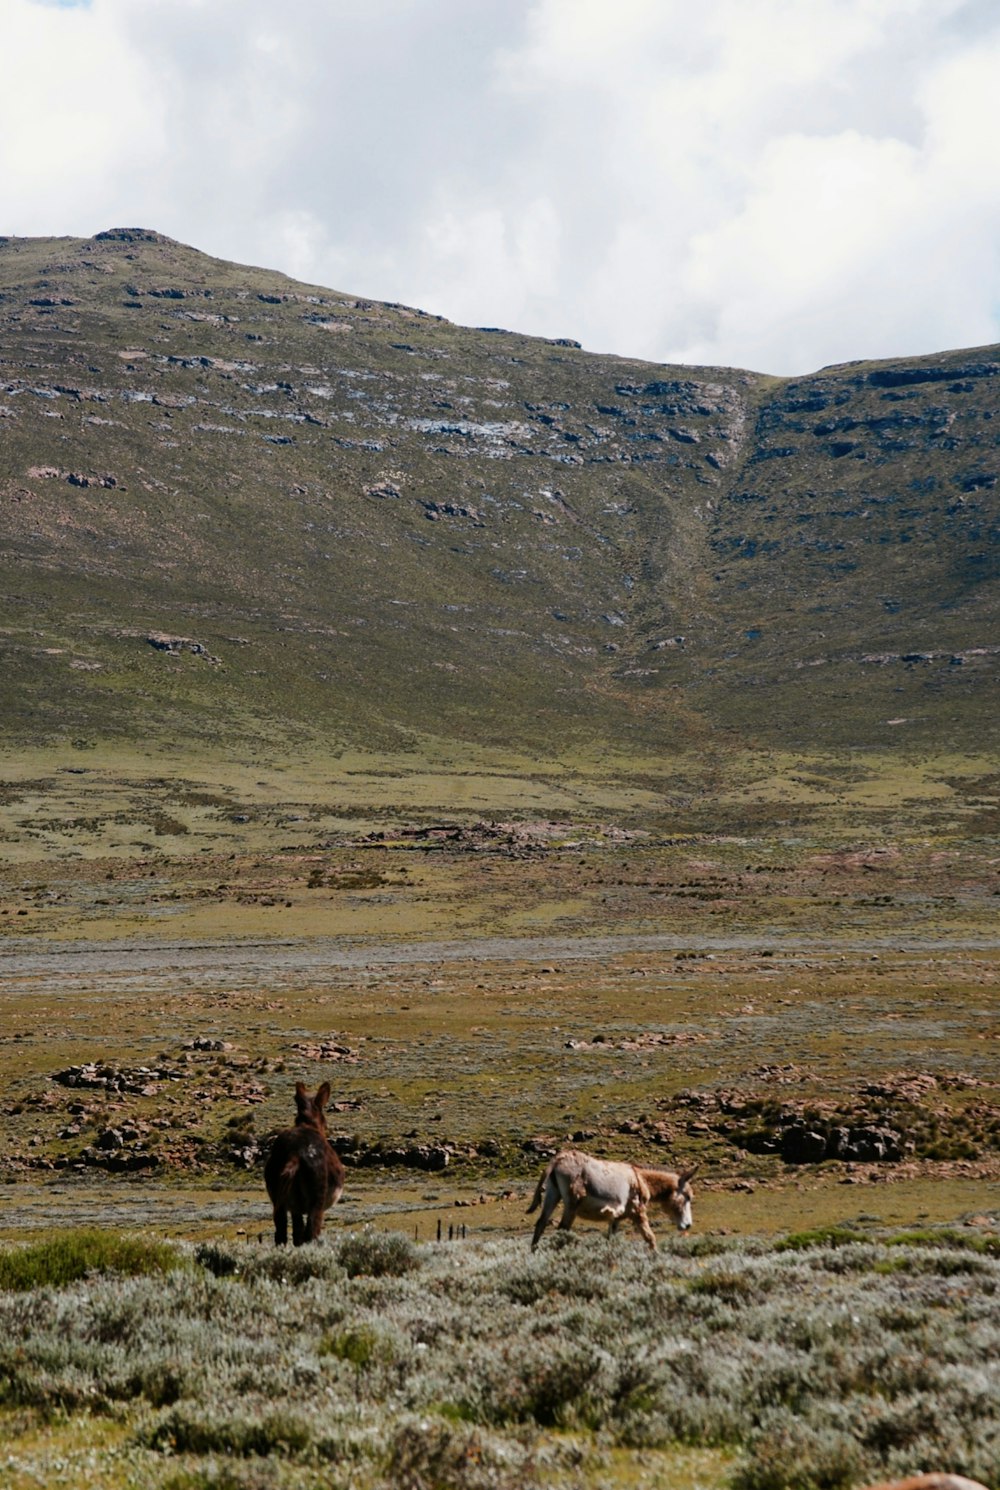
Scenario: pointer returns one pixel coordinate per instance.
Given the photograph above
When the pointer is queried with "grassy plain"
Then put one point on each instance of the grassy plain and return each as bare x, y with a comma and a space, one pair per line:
544, 956
486, 959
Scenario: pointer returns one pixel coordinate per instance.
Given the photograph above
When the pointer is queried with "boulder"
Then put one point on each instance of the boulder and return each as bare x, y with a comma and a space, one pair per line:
802, 1145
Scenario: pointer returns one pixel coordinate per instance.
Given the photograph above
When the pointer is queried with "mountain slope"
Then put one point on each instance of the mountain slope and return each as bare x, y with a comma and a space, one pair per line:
237, 507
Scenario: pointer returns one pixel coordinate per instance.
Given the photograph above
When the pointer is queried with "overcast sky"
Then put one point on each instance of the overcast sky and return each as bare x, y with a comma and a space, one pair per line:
773, 184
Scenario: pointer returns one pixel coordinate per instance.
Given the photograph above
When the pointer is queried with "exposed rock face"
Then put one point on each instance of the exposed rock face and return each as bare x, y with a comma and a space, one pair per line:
429, 1157
132, 235
865, 1144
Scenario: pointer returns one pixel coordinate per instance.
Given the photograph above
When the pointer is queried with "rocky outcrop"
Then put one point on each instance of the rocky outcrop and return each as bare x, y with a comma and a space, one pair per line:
428, 1157
133, 235
801, 1144
106, 1076
163, 642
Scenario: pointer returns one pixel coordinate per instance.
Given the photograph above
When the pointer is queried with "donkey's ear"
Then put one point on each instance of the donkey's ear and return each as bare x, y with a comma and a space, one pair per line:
686, 1176
300, 1091
323, 1095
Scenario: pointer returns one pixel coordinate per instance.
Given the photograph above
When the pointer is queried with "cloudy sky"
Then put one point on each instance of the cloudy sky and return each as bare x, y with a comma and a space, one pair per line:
774, 184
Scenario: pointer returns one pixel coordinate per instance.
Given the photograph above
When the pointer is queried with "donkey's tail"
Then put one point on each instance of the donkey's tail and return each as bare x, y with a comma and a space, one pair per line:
285, 1180
536, 1199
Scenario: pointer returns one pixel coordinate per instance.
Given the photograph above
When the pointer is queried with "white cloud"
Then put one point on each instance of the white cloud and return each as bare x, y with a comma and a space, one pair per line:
757, 182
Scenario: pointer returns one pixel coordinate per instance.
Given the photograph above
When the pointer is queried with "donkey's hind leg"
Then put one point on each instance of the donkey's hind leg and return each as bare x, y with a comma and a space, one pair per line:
280, 1226
314, 1224
573, 1198
571, 1205
300, 1231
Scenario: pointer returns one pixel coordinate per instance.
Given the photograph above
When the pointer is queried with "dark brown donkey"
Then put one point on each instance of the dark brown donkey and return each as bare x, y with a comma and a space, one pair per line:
303, 1173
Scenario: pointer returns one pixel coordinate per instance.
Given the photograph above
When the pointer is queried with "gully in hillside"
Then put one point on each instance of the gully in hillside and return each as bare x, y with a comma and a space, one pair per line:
303, 1174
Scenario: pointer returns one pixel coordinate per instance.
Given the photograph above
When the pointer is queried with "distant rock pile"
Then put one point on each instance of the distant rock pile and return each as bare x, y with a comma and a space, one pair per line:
513, 839
163, 642
139, 1081
897, 1118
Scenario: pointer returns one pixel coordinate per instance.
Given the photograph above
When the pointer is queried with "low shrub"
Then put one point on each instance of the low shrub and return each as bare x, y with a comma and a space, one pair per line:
191, 1428
69, 1256
552, 1382
219, 1260
377, 1254
431, 1454
984, 1243
815, 1366
295, 1265
792, 1455
224, 1475
724, 1284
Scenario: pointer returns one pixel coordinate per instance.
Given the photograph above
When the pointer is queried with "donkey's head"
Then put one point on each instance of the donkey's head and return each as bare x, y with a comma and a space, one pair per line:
676, 1200
309, 1111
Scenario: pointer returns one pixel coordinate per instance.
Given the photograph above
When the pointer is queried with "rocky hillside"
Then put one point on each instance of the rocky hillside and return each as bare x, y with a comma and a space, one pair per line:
235, 506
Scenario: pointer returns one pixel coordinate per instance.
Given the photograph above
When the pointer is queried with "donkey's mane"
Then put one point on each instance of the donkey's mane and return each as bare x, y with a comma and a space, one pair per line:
659, 1180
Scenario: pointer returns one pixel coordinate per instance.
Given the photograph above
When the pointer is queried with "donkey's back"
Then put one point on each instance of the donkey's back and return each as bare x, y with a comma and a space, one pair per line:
303, 1173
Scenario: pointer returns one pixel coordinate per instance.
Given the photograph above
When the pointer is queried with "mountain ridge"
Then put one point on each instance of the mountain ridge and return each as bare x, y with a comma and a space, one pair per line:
355, 522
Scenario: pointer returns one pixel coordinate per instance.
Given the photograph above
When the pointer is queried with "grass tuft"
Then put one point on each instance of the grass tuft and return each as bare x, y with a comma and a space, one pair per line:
819, 1236
71, 1255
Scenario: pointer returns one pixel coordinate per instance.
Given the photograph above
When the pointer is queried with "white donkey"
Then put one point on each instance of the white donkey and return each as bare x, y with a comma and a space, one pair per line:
606, 1190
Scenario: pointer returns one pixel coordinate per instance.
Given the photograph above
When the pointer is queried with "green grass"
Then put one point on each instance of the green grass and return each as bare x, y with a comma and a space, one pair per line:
944, 1236
70, 1256
820, 1236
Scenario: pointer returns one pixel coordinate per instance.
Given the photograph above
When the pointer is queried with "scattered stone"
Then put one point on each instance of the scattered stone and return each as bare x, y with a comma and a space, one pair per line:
132, 235
513, 839
245, 1154
542, 1146
163, 642
803, 1146
330, 1049
77, 478
119, 1161
783, 1075
435, 510
140, 1081
648, 1040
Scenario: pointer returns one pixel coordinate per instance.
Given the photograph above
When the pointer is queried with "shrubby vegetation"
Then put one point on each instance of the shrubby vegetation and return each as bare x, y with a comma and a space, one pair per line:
73, 1255
822, 1362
